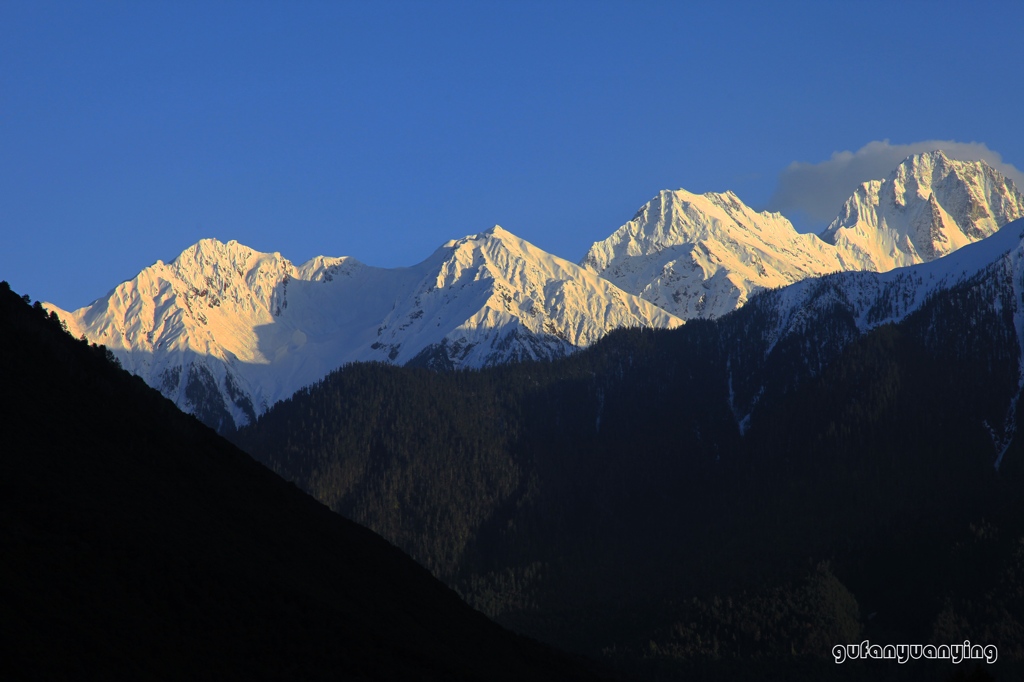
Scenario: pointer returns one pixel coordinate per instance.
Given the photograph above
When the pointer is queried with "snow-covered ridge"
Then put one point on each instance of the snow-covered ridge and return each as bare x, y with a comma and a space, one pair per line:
226, 331
705, 255
879, 298
782, 336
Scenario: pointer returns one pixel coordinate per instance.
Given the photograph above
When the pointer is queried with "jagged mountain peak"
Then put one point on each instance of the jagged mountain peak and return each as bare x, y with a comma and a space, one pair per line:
212, 247
671, 218
185, 326
493, 240
226, 331
540, 289
497, 232
930, 168
210, 254
703, 255
530, 303
930, 205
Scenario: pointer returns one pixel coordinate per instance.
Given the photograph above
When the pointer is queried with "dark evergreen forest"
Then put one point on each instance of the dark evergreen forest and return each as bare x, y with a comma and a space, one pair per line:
137, 544
609, 503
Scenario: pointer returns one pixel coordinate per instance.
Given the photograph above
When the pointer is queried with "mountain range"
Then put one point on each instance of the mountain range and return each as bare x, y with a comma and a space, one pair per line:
705, 255
226, 332
837, 460
824, 457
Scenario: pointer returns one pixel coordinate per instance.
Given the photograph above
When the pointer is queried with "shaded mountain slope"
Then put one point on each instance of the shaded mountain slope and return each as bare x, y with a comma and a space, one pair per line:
139, 545
822, 460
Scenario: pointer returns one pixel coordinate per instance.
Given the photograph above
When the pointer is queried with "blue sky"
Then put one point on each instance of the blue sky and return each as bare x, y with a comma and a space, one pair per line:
129, 130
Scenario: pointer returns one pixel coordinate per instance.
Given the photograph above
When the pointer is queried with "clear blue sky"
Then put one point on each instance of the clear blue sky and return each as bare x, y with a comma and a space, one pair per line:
129, 130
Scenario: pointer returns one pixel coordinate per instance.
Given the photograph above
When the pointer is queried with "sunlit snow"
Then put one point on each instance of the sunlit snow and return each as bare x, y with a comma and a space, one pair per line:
257, 322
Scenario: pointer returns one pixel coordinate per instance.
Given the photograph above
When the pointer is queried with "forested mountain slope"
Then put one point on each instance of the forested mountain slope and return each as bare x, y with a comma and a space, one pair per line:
137, 544
824, 460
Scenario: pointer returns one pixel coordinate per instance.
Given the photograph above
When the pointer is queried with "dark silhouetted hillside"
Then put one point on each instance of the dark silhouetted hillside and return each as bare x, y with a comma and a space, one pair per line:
137, 544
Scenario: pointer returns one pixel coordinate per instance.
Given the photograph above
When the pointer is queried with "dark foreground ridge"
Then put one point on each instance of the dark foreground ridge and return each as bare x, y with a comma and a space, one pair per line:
137, 544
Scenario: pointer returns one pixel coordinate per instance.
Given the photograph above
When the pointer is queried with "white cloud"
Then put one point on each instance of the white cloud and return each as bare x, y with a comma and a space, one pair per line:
814, 192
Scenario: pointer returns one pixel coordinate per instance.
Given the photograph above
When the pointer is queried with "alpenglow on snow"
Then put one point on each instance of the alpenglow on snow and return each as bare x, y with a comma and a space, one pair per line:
225, 331
705, 255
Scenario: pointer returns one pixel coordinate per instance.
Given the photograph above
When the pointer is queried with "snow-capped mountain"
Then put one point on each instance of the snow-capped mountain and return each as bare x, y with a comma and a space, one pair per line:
225, 331
704, 255
928, 207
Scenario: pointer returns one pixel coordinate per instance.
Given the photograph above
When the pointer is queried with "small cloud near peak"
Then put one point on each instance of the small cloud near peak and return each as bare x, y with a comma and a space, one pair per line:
811, 194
